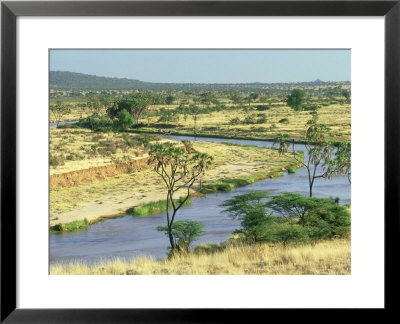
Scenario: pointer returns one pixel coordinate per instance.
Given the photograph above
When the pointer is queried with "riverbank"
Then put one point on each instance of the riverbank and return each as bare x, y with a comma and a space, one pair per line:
234, 166
332, 257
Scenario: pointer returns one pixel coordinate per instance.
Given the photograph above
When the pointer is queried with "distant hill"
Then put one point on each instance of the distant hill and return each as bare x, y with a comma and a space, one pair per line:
71, 80
79, 81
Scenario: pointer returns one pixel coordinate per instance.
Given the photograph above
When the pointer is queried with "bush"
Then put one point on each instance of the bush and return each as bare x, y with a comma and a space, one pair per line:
125, 120
55, 161
288, 218
184, 232
284, 121
235, 121
292, 169
262, 107
250, 119
97, 124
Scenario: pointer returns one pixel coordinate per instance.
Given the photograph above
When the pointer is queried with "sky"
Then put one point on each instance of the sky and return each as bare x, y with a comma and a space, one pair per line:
207, 66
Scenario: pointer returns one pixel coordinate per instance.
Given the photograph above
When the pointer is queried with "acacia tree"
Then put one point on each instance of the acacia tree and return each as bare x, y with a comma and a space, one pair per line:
93, 105
319, 150
105, 103
194, 111
58, 111
179, 171
235, 97
82, 106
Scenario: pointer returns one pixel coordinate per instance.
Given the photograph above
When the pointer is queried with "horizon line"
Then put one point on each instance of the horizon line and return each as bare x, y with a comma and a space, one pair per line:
220, 83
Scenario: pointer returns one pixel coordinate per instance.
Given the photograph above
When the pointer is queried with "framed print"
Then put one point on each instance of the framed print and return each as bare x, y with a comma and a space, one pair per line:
178, 154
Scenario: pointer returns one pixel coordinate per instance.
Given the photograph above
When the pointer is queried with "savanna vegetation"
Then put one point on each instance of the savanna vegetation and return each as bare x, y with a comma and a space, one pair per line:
113, 161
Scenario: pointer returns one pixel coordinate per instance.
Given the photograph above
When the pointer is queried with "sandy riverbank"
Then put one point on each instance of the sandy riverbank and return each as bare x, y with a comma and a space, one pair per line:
113, 195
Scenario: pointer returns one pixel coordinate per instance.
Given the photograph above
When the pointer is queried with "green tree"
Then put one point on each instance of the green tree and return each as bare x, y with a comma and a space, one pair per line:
251, 210
58, 111
179, 170
347, 95
184, 232
319, 151
104, 103
135, 104
296, 99
341, 163
169, 100
125, 119
324, 218
281, 139
235, 97
167, 116
194, 111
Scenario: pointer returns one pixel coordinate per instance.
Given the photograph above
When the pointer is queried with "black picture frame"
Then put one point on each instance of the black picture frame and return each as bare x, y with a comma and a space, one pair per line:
10, 10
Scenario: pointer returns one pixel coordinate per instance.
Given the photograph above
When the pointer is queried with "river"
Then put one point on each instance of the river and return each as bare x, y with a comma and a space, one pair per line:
129, 236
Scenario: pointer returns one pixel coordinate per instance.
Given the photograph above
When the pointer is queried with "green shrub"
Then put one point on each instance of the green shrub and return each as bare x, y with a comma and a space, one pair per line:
70, 227
235, 121
153, 208
97, 124
184, 232
284, 121
292, 169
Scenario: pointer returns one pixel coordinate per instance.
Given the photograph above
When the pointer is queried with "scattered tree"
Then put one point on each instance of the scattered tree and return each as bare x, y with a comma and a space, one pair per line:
184, 233
125, 119
58, 111
179, 171
134, 104
347, 95
250, 209
296, 99
169, 100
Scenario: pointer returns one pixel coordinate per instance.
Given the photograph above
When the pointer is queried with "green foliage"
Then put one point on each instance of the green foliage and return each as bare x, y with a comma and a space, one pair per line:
262, 107
70, 227
169, 100
155, 207
281, 140
58, 111
347, 95
97, 124
167, 115
178, 170
125, 119
292, 169
55, 161
184, 233
324, 218
288, 217
250, 209
135, 104
296, 99
341, 163
235, 121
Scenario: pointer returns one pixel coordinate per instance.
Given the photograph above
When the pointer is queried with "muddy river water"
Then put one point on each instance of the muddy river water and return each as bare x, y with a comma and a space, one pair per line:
129, 236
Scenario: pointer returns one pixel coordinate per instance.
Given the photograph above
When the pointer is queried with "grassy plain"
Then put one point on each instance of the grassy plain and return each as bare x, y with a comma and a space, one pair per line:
332, 257
279, 119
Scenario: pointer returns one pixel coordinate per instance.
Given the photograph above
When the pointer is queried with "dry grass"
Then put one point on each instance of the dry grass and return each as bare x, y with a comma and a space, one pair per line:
78, 149
325, 258
337, 117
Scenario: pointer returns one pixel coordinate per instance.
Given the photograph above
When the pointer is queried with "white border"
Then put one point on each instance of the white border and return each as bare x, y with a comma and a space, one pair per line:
364, 288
